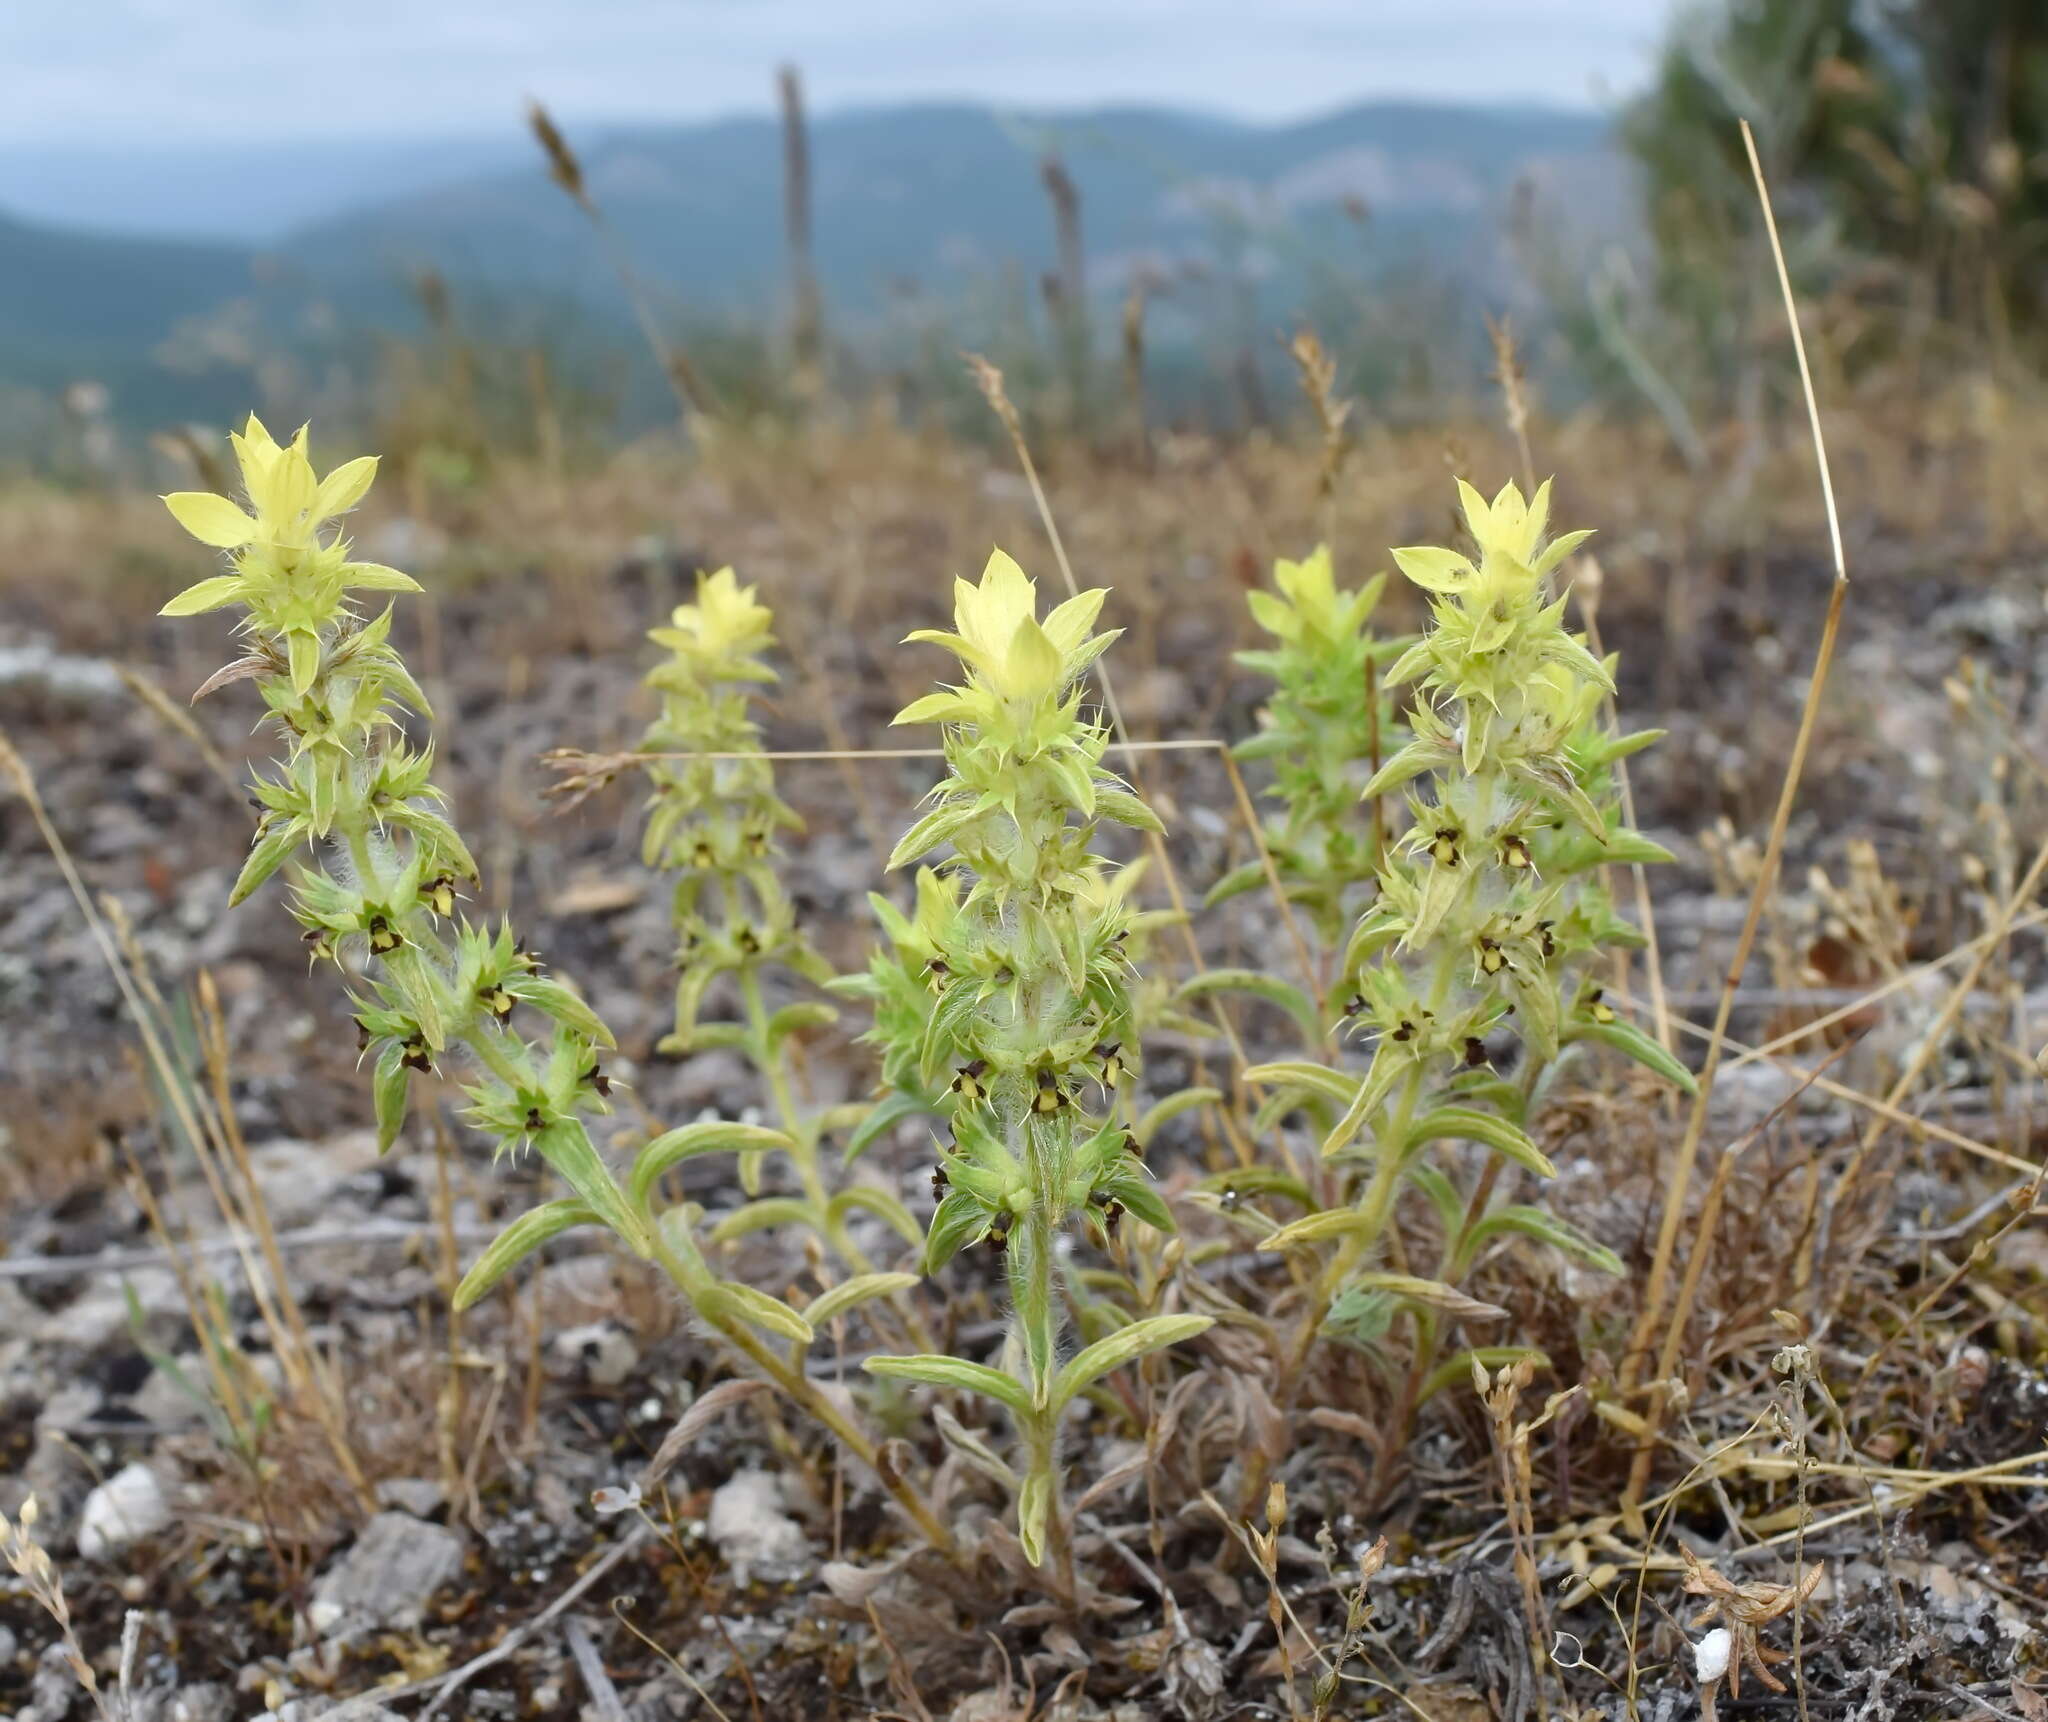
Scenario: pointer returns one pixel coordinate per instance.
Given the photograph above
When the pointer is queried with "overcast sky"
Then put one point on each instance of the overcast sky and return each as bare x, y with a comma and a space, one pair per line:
205, 71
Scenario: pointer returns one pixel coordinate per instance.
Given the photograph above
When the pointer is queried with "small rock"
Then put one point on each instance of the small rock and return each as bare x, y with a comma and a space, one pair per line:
129, 1507
420, 1496
206, 1703
397, 1563
598, 1352
752, 1532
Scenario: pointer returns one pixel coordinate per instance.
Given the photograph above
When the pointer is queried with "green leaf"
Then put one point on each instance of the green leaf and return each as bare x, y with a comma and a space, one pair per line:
390, 1085
1634, 847
375, 577
1443, 1196
792, 1018
1034, 1515
272, 850
304, 650
1271, 988
1410, 763
759, 1216
1313, 1228
1389, 1060
971, 1448
959, 1221
713, 1136
563, 1004
1126, 809
1464, 1124
882, 1119
1235, 883
1163, 1111
956, 1373
850, 1294
1430, 1294
928, 833
1259, 1181
566, 1146
1626, 1037
518, 1241
730, 1299
1140, 1200
1127, 1344
882, 1205
1338, 1085
1546, 1228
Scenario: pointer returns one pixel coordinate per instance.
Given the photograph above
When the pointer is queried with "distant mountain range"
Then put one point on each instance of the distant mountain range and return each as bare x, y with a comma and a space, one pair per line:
939, 203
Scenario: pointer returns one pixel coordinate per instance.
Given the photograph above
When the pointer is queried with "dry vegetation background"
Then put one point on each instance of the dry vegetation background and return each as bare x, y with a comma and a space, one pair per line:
206, 1270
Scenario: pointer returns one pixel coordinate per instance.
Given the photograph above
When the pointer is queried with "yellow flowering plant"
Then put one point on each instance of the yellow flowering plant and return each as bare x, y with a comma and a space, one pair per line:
1473, 966
1030, 1013
713, 821
1325, 731
378, 884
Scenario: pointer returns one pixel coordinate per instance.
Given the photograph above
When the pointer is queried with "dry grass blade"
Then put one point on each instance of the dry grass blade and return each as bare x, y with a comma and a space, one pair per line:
1679, 1169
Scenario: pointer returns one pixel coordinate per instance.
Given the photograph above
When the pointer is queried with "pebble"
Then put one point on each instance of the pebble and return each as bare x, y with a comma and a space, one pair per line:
599, 1352
385, 1580
129, 1507
752, 1532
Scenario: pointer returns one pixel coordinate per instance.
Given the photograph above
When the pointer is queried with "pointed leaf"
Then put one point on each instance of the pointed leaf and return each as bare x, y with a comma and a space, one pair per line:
1546, 1228
850, 1294
1127, 1344
1626, 1037
759, 1216
973, 1450
390, 1086
1430, 1294
518, 1241
1271, 988
1466, 1124
211, 519
272, 850
955, 1373
211, 594
1034, 1515
733, 1298
882, 1205
713, 1136
1164, 1111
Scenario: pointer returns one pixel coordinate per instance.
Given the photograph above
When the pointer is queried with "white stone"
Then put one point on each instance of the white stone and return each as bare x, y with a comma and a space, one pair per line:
752, 1532
128, 1507
397, 1563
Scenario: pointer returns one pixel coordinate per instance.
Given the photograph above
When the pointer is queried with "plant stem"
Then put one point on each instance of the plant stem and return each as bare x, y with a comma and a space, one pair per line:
802, 1392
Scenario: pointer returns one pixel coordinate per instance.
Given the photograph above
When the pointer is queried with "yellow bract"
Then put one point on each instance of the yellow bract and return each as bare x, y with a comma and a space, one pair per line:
290, 503
998, 636
725, 621
1512, 555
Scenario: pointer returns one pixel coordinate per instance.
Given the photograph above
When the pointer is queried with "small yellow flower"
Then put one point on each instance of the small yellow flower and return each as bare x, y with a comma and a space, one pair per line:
290, 503
725, 626
1008, 653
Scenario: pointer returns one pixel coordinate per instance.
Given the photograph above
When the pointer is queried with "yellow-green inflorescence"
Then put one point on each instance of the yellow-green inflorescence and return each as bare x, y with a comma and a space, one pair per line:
378, 888
714, 819
1029, 1027
389, 869
1473, 967
1328, 725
